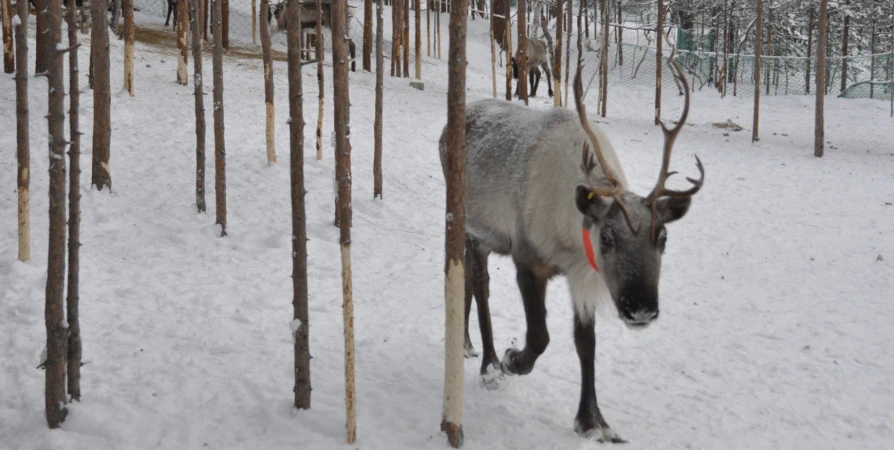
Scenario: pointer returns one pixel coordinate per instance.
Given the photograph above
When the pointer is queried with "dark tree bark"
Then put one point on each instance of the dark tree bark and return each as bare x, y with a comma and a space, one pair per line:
367, 34
769, 48
300, 322
198, 85
74, 210
659, 61
758, 50
377, 125
341, 107
508, 40
418, 24
54, 314
819, 130
606, 14
809, 50
224, 20
101, 176
521, 55
455, 239
23, 145
395, 38
405, 35
128, 46
220, 164
9, 57
182, 42
620, 34
44, 47
320, 91
844, 42
268, 82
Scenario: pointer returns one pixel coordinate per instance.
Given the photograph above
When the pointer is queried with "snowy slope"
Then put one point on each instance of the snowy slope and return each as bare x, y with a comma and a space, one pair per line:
776, 290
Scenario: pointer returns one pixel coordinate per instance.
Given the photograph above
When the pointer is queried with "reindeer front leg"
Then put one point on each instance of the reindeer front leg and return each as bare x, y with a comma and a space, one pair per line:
589, 420
532, 284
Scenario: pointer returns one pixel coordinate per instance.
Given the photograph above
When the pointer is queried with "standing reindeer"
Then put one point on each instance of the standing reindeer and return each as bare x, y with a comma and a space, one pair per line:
308, 16
537, 57
172, 8
531, 195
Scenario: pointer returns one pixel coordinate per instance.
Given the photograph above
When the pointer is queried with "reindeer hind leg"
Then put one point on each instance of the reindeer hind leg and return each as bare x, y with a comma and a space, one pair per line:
549, 83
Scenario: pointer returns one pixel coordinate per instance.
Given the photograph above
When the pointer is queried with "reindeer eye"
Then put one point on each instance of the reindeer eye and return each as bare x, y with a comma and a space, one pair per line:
606, 238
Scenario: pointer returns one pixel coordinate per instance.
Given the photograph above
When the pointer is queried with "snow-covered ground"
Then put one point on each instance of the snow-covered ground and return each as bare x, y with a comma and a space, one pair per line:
776, 287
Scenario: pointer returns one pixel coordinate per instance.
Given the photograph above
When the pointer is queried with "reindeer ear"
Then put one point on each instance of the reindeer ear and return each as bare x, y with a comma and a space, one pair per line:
590, 204
670, 209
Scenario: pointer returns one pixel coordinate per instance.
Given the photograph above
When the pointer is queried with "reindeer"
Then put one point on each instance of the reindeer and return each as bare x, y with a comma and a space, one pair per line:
532, 195
308, 18
172, 8
537, 57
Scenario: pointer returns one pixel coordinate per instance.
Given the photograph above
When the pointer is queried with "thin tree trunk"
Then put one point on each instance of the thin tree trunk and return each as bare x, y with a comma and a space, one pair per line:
405, 36
428, 28
555, 53
606, 14
254, 22
74, 211
44, 47
659, 61
418, 24
438, 18
23, 146
182, 42
377, 125
493, 52
568, 42
809, 50
844, 42
819, 131
128, 47
300, 324
395, 37
343, 181
367, 34
508, 53
620, 32
320, 91
9, 57
268, 83
224, 20
198, 85
220, 164
54, 314
726, 41
101, 175
758, 50
521, 56
454, 243
205, 18
116, 15
769, 46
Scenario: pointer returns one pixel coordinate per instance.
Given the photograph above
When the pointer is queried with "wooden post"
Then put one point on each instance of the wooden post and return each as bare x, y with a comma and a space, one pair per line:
198, 85
9, 61
758, 46
819, 128
182, 42
23, 146
268, 83
454, 243
300, 319
220, 164
54, 314
377, 125
73, 362
101, 176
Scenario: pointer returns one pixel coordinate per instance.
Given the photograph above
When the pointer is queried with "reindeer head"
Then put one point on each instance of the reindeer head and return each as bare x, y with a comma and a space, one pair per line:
279, 14
629, 230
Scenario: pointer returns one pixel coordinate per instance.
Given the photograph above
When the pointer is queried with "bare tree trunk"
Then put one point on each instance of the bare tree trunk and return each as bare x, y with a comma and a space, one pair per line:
23, 145
809, 50
268, 82
508, 53
57, 332
367, 34
396, 34
224, 18
128, 47
819, 131
844, 42
405, 36
74, 212
220, 164
620, 32
377, 125
568, 42
659, 61
454, 271
116, 15
342, 125
300, 324
44, 48
428, 28
521, 55
182, 42
555, 53
606, 14
438, 17
493, 53
418, 24
758, 50
769, 46
9, 57
726, 39
101, 175
254, 22
204, 11
320, 91
198, 85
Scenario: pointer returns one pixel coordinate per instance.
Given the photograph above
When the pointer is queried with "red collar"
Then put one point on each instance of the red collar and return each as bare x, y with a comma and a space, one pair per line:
588, 244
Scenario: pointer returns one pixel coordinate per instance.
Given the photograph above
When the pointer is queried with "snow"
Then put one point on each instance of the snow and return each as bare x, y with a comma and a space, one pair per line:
776, 287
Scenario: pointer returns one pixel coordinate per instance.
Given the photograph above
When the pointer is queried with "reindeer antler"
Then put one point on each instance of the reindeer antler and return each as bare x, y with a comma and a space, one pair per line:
614, 188
670, 135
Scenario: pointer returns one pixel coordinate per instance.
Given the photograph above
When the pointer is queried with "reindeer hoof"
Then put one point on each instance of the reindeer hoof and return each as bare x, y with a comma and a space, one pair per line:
492, 377
470, 351
588, 429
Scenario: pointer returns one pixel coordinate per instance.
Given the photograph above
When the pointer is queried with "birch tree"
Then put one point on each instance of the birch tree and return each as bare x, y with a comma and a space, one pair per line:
198, 86
54, 314
268, 82
74, 211
23, 145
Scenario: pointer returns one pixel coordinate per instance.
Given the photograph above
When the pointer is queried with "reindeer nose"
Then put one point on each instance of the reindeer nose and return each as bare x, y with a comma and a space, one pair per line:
639, 317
